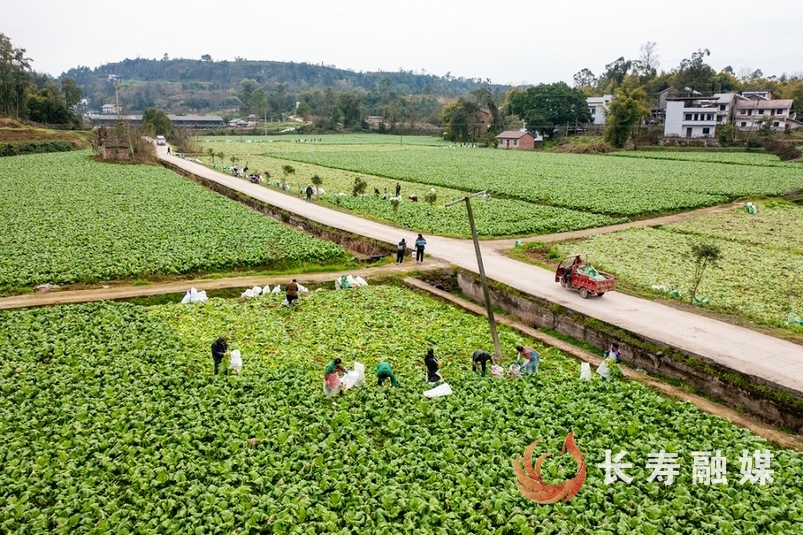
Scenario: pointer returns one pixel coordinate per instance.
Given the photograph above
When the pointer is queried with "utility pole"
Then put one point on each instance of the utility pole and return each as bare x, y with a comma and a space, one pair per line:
488, 308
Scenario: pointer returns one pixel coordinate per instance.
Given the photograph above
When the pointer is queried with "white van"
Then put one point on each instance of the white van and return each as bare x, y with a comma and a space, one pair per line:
160, 140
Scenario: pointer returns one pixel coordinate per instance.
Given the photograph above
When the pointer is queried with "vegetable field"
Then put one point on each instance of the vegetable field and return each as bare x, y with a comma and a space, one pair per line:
67, 218
496, 217
112, 422
601, 184
759, 278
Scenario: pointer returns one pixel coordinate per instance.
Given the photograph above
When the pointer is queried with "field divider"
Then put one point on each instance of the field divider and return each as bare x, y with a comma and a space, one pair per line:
771, 434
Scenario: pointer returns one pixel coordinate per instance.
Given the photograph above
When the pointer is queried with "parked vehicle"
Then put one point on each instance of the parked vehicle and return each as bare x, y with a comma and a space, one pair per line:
575, 274
160, 140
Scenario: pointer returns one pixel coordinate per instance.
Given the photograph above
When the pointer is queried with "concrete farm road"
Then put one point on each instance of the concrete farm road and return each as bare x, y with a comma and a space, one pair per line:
764, 358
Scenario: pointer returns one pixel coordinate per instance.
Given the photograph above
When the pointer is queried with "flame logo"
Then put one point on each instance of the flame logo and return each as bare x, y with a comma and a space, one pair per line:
532, 485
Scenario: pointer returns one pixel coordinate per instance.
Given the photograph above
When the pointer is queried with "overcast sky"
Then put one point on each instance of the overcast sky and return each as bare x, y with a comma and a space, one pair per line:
508, 41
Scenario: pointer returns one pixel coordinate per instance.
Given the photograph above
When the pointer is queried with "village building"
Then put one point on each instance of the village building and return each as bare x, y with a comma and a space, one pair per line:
513, 139
597, 107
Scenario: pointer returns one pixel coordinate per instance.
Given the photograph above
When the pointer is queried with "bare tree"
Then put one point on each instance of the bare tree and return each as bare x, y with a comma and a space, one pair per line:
648, 60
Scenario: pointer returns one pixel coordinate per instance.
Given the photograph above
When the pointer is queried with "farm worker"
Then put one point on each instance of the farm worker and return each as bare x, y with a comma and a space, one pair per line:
385, 195
613, 353
432, 364
398, 189
479, 359
420, 242
531, 360
291, 292
309, 192
385, 371
219, 350
168, 149
376, 191
331, 380
400, 250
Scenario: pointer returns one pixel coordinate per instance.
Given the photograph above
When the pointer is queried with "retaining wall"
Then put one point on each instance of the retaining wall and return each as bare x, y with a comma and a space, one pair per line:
767, 401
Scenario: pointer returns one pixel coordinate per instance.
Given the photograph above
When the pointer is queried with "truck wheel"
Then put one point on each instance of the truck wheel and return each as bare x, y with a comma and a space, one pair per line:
601, 294
563, 282
583, 293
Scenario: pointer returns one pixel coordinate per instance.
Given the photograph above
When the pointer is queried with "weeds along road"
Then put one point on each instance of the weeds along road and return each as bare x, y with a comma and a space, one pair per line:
763, 358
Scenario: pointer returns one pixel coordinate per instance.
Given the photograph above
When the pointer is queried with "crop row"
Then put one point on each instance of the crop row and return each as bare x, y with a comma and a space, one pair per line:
497, 217
112, 422
67, 218
601, 184
761, 159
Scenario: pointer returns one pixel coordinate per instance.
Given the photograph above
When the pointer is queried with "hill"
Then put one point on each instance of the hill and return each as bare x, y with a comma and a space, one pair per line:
199, 86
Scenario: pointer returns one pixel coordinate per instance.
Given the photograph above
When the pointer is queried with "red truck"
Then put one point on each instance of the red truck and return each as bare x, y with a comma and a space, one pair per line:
577, 275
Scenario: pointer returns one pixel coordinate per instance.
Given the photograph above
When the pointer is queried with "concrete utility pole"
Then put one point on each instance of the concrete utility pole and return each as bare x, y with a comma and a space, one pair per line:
488, 308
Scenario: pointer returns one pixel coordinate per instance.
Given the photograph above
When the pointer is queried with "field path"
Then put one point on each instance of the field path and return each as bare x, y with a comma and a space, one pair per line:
150, 290
585, 233
765, 359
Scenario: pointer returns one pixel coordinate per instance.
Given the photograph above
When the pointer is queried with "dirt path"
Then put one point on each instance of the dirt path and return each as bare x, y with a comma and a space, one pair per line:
501, 245
128, 292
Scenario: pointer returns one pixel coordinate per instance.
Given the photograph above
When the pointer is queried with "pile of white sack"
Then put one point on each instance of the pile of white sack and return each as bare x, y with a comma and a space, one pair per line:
194, 296
347, 282
256, 291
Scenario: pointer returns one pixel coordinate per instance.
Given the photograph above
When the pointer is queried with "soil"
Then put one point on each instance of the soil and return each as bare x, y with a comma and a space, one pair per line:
13, 132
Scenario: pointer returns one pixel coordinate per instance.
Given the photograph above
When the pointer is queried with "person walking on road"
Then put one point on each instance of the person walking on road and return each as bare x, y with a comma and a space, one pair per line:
401, 249
385, 371
398, 189
420, 242
531, 360
219, 350
308, 191
479, 359
291, 292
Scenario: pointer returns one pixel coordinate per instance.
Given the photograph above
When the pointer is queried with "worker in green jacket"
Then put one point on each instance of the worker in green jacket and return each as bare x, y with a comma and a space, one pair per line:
385, 371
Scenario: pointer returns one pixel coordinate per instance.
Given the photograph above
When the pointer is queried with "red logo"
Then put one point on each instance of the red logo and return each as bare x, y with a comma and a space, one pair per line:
532, 485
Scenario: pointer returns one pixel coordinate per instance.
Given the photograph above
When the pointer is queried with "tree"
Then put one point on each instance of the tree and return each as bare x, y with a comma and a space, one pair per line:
624, 112
15, 76
258, 103
431, 197
614, 74
247, 86
584, 78
207, 58
359, 186
158, 121
704, 255
317, 181
694, 73
286, 171
71, 91
647, 64
349, 105
546, 106
211, 153
460, 120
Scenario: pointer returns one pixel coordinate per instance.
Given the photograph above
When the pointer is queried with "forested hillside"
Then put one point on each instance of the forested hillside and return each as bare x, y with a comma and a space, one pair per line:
207, 86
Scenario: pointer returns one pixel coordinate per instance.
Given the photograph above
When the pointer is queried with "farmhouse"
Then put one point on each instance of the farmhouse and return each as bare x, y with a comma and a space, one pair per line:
111, 109
691, 117
597, 107
755, 108
116, 151
512, 139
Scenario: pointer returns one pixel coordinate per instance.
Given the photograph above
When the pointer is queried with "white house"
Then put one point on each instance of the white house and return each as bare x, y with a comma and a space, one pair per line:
691, 117
597, 107
111, 109
754, 108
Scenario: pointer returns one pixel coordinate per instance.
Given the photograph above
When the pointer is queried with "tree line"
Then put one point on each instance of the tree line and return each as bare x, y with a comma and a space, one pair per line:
25, 94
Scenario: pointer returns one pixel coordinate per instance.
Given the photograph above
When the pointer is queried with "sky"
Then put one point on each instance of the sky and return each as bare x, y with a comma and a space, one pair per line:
513, 42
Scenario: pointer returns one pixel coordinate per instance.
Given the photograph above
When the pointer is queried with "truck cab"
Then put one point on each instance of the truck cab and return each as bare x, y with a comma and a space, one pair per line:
160, 140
